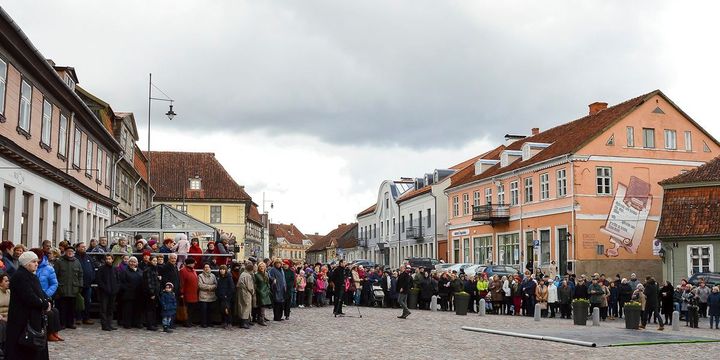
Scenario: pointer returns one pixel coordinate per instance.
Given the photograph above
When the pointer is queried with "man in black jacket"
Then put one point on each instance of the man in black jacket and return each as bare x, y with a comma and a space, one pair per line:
404, 284
338, 279
107, 289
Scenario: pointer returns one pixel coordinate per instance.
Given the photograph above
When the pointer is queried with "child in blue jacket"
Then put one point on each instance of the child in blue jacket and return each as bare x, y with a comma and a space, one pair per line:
169, 307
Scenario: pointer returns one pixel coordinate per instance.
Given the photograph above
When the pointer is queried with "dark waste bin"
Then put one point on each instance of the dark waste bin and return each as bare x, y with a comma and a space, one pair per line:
413, 298
579, 312
461, 303
693, 316
632, 317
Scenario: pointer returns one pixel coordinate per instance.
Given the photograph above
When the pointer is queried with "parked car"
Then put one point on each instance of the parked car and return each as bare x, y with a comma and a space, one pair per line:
500, 270
441, 268
711, 278
458, 267
426, 263
364, 262
474, 269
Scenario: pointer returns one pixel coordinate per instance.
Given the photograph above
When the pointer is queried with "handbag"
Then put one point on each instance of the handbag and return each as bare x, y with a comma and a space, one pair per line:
182, 312
33, 338
543, 305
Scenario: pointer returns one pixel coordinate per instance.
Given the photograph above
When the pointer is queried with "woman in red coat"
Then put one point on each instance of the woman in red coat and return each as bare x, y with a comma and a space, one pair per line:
189, 288
195, 249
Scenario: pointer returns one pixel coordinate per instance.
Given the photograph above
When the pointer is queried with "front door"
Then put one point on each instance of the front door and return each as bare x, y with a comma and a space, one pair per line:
562, 251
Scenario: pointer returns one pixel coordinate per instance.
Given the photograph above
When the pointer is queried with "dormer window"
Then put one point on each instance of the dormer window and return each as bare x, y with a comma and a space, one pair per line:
507, 157
195, 184
529, 149
70, 82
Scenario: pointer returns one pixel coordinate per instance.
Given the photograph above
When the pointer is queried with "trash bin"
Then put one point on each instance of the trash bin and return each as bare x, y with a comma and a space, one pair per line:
462, 300
632, 317
413, 298
693, 316
579, 312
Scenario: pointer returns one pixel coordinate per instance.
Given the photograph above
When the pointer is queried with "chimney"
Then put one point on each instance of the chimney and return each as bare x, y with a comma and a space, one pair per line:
535, 131
597, 107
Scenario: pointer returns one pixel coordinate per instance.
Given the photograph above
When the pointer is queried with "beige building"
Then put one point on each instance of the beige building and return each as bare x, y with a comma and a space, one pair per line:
288, 242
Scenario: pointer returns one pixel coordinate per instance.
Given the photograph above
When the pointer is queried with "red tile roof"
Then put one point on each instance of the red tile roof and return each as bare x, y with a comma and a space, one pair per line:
463, 176
709, 172
414, 193
567, 138
369, 210
170, 172
254, 215
314, 237
690, 212
344, 236
289, 232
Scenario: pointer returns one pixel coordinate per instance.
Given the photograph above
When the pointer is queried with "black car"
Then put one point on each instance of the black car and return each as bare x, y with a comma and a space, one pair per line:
425, 263
711, 279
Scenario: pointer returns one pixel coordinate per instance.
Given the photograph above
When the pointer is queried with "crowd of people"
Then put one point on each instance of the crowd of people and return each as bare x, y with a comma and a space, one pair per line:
155, 286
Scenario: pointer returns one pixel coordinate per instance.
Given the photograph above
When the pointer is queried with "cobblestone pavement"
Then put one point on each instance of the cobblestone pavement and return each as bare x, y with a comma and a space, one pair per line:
313, 333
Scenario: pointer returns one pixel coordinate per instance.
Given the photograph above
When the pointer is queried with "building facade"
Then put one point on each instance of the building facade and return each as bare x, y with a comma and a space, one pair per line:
688, 237
579, 197
288, 242
254, 234
334, 245
55, 154
197, 184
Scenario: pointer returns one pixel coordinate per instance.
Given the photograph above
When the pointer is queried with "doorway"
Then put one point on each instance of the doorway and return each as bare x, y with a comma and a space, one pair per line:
562, 239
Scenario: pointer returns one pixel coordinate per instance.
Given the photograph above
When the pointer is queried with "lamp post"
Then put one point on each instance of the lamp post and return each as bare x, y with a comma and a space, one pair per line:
170, 114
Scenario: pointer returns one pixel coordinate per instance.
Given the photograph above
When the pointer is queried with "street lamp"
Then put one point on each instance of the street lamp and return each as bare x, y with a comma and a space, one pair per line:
170, 114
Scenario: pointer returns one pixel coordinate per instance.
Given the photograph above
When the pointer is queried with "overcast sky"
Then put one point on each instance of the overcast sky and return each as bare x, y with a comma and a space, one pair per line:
316, 102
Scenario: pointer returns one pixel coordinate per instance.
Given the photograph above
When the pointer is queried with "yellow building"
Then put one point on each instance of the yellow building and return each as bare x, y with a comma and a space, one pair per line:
196, 183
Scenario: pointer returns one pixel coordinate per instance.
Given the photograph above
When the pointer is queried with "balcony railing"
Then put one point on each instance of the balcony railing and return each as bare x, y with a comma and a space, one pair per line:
414, 232
495, 213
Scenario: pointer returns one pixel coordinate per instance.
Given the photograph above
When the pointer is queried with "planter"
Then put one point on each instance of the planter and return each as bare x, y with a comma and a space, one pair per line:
461, 304
580, 312
632, 317
413, 298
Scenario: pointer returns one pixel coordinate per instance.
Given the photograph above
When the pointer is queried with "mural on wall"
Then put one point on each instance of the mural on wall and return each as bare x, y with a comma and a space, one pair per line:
627, 218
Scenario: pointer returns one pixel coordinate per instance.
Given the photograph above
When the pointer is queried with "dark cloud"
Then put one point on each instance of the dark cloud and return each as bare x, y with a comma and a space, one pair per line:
414, 73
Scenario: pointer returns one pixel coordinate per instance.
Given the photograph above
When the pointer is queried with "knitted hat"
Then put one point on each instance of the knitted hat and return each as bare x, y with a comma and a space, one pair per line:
152, 242
27, 257
169, 284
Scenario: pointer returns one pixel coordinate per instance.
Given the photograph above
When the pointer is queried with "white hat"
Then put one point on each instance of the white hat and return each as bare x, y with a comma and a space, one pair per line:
27, 257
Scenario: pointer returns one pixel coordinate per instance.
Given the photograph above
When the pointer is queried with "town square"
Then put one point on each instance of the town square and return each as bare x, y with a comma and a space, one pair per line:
345, 179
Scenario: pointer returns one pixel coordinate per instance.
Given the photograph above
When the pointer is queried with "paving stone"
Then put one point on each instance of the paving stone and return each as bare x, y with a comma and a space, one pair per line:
313, 333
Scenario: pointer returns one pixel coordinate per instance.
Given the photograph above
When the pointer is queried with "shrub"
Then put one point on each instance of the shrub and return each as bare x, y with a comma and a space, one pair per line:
581, 301
633, 305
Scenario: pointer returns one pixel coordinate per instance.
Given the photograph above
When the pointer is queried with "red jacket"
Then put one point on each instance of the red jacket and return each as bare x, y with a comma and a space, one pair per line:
195, 249
188, 284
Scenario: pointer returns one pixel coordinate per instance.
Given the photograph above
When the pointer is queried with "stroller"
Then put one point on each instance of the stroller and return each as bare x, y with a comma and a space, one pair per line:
377, 296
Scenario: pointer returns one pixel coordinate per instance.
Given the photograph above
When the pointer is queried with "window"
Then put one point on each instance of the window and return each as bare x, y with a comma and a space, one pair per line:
182, 208
466, 204
670, 139
456, 250
648, 138
62, 136
528, 190
89, 158
630, 136
46, 124
483, 249
402, 224
466, 250
195, 184
387, 227
700, 259
706, 147
544, 246
514, 193
70, 82
455, 207
56, 216
374, 230
100, 158
476, 198
420, 219
544, 186
387, 202
488, 196
688, 141
604, 180
561, 183
25, 106
24, 219
42, 235
8, 192
429, 219
107, 170
509, 249
3, 84
393, 226
215, 214
381, 229
77, 147
410, 222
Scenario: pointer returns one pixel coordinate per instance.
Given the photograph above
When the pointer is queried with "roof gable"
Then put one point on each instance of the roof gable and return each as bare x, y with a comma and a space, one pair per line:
344, 236
707, 173
289, 232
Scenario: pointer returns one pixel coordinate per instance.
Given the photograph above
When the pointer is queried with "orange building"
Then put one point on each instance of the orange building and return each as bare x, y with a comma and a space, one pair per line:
581, 197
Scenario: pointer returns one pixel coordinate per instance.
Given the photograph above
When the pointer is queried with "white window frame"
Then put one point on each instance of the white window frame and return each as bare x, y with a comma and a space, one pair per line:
670, 139
711, 263
46, 127
688, 140
195, 184
561, 182
648, 142
501, 194
455, 208
99, 164
89, 157
3, 85
544, 186
630, 136
25, 106
488, 196
62, 135
603, 181
466, 204
77, 148
528, 189
514, 193
219, 213
476, 198
107, 169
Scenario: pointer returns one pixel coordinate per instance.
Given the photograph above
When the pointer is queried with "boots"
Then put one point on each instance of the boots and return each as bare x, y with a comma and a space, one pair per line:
244, 324
261, 322
167, 329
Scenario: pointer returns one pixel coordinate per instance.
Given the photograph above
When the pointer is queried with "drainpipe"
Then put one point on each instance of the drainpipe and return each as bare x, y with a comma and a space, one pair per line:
572, 187
135, 189
435, 230
522, 230
399, 235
